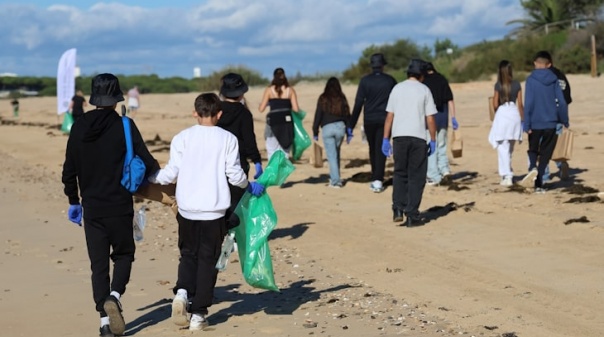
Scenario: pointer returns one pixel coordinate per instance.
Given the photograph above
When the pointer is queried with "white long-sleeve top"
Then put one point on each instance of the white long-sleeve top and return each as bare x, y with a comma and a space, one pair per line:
203, 160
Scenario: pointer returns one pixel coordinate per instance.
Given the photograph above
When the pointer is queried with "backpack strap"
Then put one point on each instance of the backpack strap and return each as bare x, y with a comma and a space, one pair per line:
127, 133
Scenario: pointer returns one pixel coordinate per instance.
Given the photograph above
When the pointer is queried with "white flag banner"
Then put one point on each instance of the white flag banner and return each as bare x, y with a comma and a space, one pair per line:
66, 80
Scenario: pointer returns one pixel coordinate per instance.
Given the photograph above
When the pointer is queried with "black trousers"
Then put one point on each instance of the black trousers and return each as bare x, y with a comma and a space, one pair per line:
410, 168
109, 238
375, 135
200, 243
541, 148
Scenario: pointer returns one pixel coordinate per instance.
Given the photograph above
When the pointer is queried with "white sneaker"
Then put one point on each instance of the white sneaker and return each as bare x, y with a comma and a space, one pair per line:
179, 310
529, 178
198, 322
506, 181
377, 186
539, 190
431, 182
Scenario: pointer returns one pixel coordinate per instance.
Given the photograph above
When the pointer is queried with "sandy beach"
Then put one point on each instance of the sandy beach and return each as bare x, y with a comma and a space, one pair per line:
492, 261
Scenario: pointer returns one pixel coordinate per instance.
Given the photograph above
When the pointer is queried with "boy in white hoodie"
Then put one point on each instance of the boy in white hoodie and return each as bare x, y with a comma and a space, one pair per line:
204, 159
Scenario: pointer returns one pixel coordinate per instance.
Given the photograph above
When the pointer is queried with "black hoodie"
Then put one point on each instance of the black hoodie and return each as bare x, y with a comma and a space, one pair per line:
238, 120
94, 161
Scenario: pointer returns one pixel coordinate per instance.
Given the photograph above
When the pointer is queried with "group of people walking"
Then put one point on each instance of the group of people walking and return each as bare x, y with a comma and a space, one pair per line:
210, 161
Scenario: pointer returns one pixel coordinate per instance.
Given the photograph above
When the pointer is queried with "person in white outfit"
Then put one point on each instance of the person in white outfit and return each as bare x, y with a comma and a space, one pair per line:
507, 124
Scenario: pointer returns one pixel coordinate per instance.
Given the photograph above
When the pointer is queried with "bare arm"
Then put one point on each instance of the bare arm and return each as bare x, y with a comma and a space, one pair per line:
495, 102
294, 100
452, 108
519, 104
264, 101
388, 125
431, 127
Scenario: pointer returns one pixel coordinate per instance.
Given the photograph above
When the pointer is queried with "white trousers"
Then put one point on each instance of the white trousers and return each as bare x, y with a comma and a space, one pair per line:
505, 148
272, 146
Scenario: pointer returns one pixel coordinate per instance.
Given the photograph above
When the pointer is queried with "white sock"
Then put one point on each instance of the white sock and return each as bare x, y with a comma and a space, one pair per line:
104, 321
115, 294
183, 293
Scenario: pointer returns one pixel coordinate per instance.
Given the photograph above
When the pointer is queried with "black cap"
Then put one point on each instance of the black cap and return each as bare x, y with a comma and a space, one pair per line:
377, 60
233, 86
105, 90
416, 66
428, 66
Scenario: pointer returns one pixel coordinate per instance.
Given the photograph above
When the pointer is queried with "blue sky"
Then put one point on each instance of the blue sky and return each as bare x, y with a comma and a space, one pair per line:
170, 38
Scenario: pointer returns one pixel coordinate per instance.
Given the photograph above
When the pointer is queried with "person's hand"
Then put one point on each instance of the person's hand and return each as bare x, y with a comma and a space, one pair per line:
74, 214
349, 135
316, 138
255, 188
386, 147
455, 124
525, 127
259, 170
432, 148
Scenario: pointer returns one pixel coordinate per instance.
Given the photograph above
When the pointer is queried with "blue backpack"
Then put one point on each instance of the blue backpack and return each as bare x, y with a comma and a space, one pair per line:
134, 167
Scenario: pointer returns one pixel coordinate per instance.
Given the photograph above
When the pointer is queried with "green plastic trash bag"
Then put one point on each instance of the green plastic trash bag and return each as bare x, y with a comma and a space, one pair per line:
67, 123
301, 139
258, 219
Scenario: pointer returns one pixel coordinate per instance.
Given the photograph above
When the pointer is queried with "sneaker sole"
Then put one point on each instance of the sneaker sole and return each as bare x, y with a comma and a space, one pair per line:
203, 326
116, 320
179, 312
529, 179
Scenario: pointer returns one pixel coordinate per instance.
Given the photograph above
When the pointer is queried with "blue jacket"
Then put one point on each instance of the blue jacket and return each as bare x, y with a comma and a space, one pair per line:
545, 105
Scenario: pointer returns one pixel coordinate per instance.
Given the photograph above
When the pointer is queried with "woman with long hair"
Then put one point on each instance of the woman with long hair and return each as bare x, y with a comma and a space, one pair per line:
282, 99
332, 115
507, 124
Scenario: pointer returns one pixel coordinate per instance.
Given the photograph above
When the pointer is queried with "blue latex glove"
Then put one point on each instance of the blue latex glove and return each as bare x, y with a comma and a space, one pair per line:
255, 188
316, 138
386, 147
74, 214
432, 148
455, 124
259, 170
348, 135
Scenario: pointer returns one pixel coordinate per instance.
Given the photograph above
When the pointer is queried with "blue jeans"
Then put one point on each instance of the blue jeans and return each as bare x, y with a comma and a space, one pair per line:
333, 135
438, 163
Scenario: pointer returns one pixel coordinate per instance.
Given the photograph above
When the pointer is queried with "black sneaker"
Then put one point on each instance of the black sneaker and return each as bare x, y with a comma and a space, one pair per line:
397, 216
106, 331
414, 221
113, 308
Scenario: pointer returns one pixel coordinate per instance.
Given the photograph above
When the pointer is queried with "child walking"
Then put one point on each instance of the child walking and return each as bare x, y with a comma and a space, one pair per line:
507, 124
204, 159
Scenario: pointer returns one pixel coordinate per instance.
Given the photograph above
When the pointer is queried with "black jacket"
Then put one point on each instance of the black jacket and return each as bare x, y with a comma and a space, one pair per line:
94, 161
564, 85
238, 120
373, 92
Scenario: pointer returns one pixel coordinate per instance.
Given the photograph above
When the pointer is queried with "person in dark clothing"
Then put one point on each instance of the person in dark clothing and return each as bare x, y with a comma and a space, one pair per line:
77, 105
237, 119
438, 165
545, 107
15, 104
372, 95
92, 171
331, 115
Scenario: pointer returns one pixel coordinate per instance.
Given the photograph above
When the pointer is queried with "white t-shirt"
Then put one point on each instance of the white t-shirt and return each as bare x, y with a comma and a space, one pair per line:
410, 101
203, 160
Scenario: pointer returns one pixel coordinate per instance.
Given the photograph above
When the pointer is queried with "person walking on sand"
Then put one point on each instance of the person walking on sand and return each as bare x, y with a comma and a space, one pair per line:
438, 165
15, 105
134, 101
332, 115
92, 172
204, 160
545, 108
282, 100
237, 119
77, 105
410, 108
507, 124
372, 96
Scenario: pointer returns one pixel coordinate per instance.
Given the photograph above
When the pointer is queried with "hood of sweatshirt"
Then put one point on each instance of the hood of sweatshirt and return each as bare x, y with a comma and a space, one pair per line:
231, 113
98, 121
545, 76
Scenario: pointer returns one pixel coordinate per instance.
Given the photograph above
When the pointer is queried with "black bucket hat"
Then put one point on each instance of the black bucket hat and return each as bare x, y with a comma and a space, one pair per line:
105, 90
233, 86
377, 60
416, 66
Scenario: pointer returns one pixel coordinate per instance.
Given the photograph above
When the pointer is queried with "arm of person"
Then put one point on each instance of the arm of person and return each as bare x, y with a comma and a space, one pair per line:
359, 101
451, 105
249, 138
495, 101
294, 100
71, 106
431, 122
317, 121
528, 106
69, 175
169, 173
430, 109
562, 107
234, 172
519, 105
265, 98
388, 124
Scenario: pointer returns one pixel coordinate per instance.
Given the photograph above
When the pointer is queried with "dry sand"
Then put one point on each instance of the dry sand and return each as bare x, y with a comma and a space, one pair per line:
505, 264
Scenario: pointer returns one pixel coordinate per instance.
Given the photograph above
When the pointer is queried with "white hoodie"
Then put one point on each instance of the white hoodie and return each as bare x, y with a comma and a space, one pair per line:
202, 158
